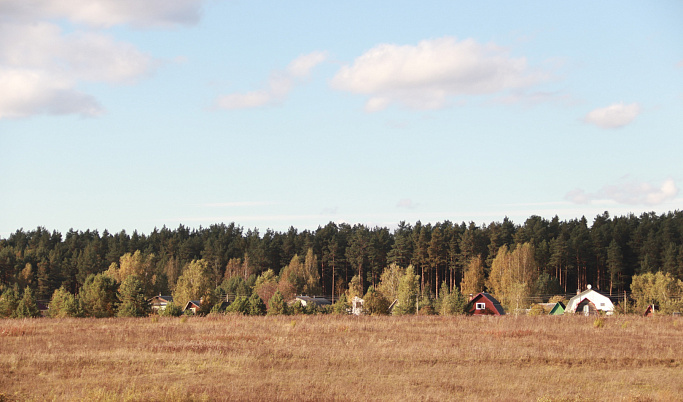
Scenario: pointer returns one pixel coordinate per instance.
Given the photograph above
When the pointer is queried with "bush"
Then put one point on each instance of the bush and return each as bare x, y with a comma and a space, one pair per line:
341, 305
171, 310
256, 305
375, 303
536, 309
240, 305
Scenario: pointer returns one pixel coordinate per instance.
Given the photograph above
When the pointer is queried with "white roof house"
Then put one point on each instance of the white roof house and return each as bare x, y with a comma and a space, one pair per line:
589, 301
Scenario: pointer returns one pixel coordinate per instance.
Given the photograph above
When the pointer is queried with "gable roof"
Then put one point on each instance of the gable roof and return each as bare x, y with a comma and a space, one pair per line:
600, 301
492, 300
319, 301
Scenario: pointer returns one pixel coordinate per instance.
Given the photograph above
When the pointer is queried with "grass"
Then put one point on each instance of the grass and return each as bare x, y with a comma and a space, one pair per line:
342, 358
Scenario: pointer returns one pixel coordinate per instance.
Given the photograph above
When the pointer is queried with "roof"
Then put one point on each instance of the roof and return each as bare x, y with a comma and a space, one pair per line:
557, 309
496, 304
600, 301
320, 301
167, 299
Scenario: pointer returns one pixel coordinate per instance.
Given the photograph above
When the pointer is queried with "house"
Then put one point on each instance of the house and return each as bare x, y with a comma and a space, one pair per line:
158, 303
590, 302
558, 309
650, 310
318, 301
192, 305
484, 304
357, 305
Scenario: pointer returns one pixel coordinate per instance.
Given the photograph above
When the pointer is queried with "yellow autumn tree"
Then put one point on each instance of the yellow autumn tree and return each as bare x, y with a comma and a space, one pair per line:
513, 276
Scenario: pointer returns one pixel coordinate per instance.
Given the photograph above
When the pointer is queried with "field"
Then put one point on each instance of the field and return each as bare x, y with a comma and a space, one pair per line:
343, 358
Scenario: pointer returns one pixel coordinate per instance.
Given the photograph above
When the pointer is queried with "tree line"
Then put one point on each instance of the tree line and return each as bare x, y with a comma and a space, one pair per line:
538, 257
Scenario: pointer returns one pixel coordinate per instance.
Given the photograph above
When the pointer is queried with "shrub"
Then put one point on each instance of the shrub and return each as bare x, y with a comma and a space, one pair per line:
375, 303
536, 309
240, 305
171, 310
341, 305
256, 305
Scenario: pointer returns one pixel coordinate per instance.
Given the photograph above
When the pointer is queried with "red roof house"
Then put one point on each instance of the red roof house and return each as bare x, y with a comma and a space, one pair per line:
484, 304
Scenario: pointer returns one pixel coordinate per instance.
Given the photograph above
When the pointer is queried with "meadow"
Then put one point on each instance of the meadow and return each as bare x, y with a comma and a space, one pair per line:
323, 357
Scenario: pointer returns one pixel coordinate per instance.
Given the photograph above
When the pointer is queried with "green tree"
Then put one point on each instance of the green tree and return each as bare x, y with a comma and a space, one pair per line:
27, 307
661, 289
375, 303
64, 304
195, 284
341, 305
98, 296
277, 305
9, 301
132, 296
615, 264
454, 303
256, 305
408, 290
239, 305
389, 281
171, 310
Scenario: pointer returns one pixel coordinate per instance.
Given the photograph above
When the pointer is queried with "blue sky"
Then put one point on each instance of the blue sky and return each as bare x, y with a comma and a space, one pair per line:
127, 114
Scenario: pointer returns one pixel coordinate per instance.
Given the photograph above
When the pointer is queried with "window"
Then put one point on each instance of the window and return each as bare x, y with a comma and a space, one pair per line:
602, 304
480, 306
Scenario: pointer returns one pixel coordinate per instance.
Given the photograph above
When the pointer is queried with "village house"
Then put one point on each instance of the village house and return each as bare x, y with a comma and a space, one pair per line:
590, 302
192, 305
484, 304
318, 301
159, 303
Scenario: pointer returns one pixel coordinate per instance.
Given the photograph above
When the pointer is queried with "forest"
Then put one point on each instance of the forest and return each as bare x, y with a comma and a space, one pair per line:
567, 255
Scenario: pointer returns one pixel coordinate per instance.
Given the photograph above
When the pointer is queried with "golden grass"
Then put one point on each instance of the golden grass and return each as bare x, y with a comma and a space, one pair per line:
342, 358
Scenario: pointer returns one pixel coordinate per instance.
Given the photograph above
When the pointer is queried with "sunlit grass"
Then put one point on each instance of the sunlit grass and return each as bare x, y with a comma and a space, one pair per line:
342, 358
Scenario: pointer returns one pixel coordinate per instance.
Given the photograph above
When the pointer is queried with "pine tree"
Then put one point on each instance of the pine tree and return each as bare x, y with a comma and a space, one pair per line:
132, 296
27, 307
9, 301
98, 296
256, 305
64, 304
277, 305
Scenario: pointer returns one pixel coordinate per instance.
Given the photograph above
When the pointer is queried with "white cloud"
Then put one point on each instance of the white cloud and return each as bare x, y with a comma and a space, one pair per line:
105, 13
40, 68
628, 192
28, 92
278, 87
613, 116
424, 76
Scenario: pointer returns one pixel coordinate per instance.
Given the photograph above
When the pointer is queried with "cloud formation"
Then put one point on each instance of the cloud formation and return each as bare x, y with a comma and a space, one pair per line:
105, 13
613, 116
278, 86
41, 66
425, 75
628, 192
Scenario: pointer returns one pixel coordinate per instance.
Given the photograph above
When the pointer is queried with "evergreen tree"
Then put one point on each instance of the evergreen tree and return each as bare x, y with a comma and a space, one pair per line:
64, 304
98, 296
132, 296
256, 305
27, 307
240, 305
9, 301
277, 305
408, 290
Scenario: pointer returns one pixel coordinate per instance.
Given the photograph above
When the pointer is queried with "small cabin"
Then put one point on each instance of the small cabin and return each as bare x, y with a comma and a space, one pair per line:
192, 305
357, 305
484, 304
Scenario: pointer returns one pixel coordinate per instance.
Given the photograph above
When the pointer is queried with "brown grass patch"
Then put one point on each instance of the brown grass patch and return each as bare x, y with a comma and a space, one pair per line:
342, 358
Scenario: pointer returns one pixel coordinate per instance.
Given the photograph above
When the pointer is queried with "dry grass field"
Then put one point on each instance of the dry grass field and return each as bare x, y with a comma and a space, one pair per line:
342, 358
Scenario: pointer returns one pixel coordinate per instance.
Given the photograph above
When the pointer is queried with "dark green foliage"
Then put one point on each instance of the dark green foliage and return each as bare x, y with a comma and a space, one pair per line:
240, 305
277, 305
297, 308
256, 305
132, 297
